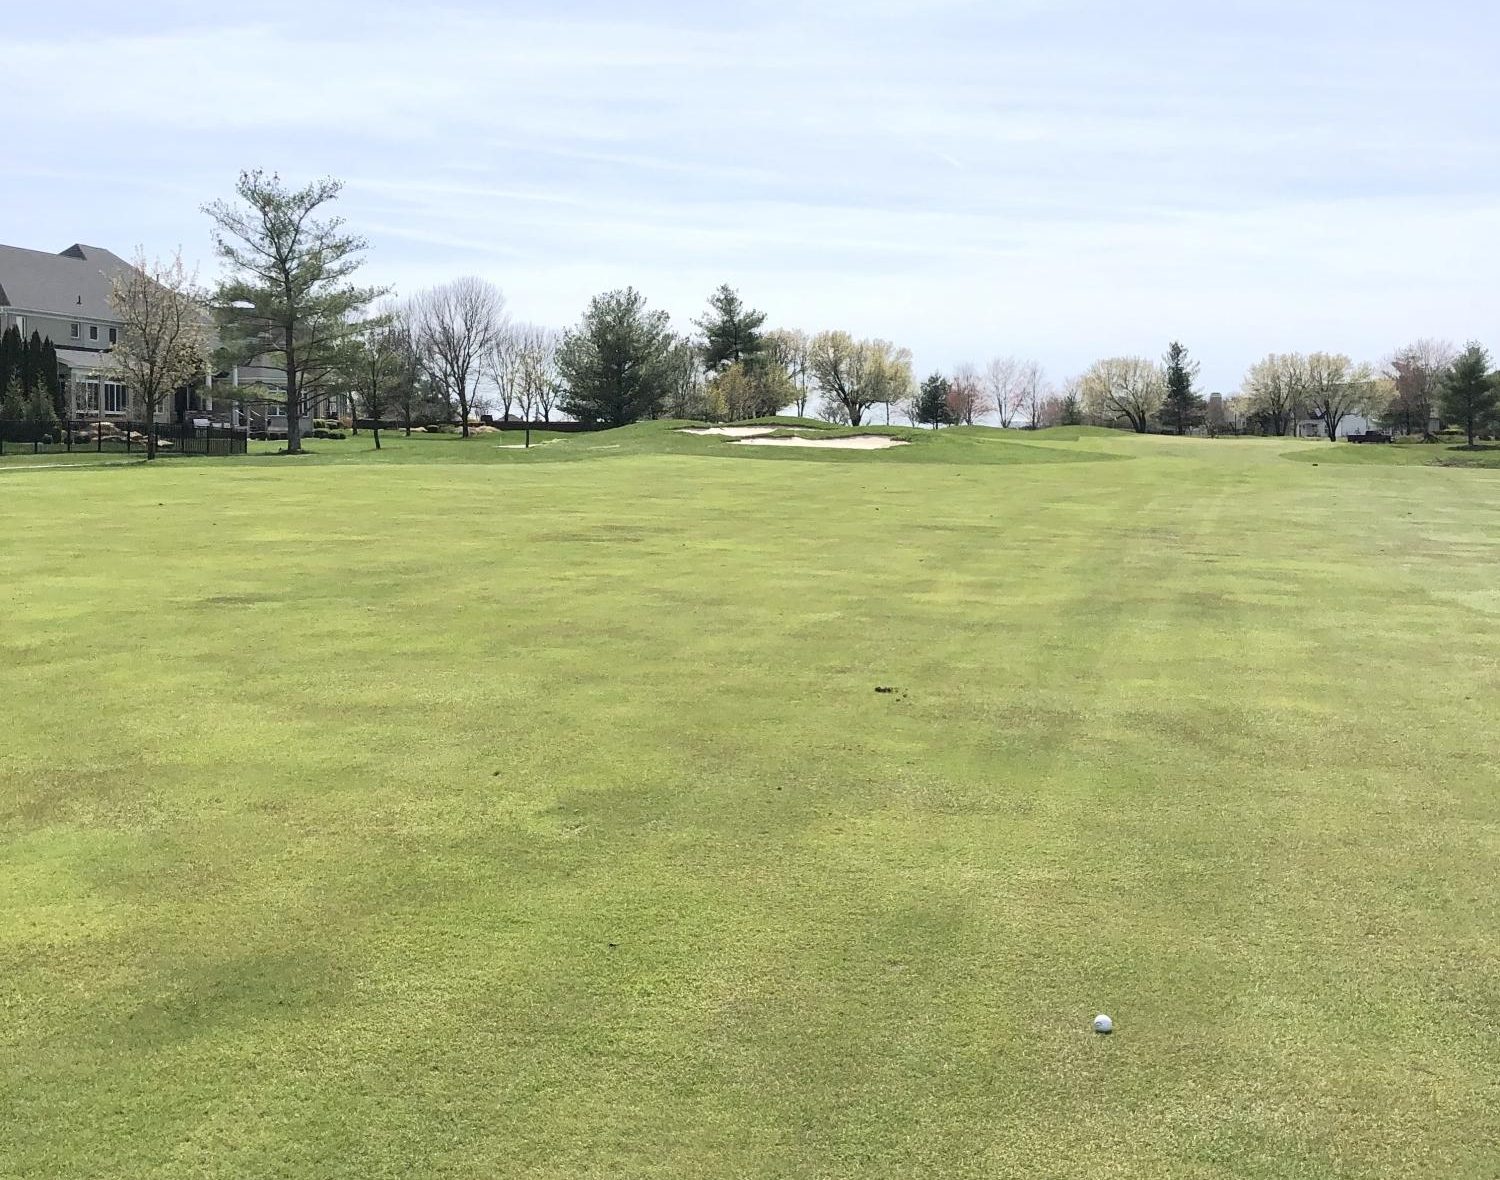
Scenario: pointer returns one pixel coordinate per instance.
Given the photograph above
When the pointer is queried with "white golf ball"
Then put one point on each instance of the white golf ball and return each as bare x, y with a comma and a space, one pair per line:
1103, 1024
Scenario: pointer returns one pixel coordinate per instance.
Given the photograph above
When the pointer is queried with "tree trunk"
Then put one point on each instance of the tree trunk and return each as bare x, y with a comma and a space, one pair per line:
375, 430
293, 407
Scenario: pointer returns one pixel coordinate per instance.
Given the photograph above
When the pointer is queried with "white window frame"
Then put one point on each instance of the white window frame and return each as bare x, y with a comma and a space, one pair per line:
88, 397
115, 391
74, 331
114, 336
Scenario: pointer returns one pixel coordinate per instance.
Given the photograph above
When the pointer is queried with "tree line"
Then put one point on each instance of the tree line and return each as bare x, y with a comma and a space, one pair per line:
290, 294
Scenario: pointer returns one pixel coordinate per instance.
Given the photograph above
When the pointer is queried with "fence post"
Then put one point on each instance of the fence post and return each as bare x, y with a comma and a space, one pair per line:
99, 436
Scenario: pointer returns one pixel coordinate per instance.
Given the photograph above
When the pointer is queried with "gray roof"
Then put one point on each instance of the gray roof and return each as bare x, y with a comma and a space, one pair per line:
73, 283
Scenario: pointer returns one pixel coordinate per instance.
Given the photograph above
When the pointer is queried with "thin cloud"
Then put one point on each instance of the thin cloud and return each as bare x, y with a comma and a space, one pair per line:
1060, 180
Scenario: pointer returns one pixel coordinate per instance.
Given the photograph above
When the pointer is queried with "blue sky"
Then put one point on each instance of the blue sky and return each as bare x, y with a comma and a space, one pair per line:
1059, 181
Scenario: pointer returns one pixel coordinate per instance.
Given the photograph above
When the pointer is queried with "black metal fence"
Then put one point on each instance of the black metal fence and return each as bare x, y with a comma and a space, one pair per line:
113, 437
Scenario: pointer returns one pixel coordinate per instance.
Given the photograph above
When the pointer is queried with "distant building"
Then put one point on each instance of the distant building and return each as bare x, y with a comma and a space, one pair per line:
65, 297
1314, 426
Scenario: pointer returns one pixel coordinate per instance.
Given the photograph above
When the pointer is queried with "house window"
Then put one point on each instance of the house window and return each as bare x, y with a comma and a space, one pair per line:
114, 336
93, 331
73, 331
88, 397
115, 400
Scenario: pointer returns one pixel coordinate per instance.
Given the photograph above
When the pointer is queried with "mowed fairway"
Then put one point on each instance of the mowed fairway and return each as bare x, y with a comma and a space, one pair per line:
540, 818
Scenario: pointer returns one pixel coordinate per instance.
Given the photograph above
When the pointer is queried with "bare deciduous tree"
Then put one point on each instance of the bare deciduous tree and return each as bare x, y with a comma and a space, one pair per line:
411, 390
1276, 387
375, 365
458, 326
1034, 394
536, 372
788, 349
1014, 386
1416, 373
685, 387
503, 368
1128, 387
163, 339
1336, 388
967, 399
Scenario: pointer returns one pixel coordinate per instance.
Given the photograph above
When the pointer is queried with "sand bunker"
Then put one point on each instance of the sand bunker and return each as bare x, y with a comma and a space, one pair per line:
858, 442
732, 431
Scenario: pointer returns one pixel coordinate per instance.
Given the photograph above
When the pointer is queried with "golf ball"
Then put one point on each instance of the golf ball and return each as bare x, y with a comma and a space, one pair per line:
1103, 1024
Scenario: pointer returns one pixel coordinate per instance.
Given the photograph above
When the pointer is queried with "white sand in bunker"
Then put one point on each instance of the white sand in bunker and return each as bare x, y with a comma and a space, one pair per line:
858, 442
731, 431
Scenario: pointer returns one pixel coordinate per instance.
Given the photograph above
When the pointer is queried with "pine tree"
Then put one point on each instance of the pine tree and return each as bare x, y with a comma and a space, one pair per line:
931, 407
1470, 392
732, 332
615, 364
1070, 411
289, 293
1182, 408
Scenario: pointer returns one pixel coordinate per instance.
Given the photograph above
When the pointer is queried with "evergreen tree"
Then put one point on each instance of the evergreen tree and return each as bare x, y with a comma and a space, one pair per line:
732, 332
931, 407
1070, 411
39, 408
289, 293
11, 348
615, 365
1470, 392
32, 364
13, 400
52, 380
1182, 408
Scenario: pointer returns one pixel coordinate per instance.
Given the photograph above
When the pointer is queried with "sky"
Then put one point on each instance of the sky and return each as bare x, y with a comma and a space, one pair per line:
968, 178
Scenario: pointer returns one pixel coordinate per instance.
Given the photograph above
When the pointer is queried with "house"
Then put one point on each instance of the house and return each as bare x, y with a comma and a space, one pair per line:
66, 298
1314, 426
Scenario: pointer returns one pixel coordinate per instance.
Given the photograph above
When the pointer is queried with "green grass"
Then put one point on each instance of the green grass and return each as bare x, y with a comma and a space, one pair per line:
1402, 454
474, 813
